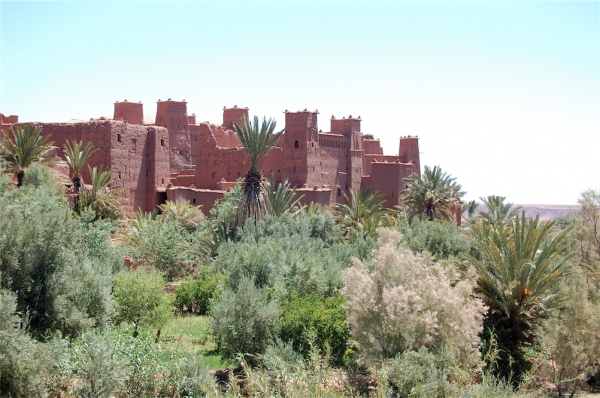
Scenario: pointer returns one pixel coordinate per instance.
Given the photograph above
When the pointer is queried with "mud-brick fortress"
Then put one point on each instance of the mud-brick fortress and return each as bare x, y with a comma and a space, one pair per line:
178, 159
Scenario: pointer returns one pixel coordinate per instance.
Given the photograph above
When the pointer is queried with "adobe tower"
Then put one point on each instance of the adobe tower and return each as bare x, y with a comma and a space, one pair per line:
173, 115
233, 115
130, 112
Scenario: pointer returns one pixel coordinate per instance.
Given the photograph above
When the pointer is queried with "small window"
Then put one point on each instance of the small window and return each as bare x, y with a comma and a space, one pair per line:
214, 174
162, 180
180, 153
296, 145
118, 137
162, 142
339, 192
194, 201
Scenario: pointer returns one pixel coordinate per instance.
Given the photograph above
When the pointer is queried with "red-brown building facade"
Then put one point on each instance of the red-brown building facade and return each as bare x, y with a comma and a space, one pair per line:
178, 159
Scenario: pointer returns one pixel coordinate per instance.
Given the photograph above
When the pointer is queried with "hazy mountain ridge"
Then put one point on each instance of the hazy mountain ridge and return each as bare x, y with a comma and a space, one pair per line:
546, 212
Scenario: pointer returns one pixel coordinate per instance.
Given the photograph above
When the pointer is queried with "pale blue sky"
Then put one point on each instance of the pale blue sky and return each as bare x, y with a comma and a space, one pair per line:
503, 95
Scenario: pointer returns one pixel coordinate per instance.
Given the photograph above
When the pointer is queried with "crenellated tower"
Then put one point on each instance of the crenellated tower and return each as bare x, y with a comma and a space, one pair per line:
233, 115
173, 115
130, 112
300, 146
409, 152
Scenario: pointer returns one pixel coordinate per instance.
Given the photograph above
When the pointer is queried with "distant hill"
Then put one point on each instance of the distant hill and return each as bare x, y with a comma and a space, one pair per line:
546, 212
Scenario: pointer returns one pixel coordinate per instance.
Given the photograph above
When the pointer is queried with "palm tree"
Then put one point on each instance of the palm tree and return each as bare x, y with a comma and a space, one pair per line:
470, 207
433, 194
258, 141
100, 198
129, 236
498, 212
282, 198
76, 157
185, 214
26, 146
520, 266
363, 213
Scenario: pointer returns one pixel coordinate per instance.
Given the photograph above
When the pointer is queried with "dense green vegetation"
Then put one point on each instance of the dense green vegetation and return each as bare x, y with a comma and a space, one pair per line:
357, 300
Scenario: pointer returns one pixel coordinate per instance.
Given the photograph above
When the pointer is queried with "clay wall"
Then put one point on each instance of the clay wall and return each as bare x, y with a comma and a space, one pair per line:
321, 196
368, 159
191, 119
182, 180
333, 165
233, 115
137, 154
173, 116
226, 138
409, 152
301, 148
130, 112
6, 122
197, 197
373, 147
345, 126
386, 179
158, 166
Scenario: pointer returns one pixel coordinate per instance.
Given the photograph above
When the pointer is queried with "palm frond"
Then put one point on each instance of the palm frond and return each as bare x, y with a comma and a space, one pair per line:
23, 146
76, 156
434, 194
185, 214
257, 140
282, 197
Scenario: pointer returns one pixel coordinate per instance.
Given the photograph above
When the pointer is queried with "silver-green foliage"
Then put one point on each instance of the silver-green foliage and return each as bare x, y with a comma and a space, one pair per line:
290, 254
245, 320
572, 337
23, 361
101, 370
42, 260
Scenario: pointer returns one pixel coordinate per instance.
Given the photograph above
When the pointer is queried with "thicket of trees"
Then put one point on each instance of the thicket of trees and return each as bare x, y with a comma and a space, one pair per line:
353, 300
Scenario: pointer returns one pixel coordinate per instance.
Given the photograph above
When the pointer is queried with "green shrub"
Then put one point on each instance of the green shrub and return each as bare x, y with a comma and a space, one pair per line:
441, 238
23, 361
244, 320
141, 299
311, 320
422, 374
166, 247
100, 369
43, 262
198, 293
274, 254
193, 379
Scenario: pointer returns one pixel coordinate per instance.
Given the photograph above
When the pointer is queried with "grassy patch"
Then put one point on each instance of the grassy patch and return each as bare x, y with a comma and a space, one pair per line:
191, 335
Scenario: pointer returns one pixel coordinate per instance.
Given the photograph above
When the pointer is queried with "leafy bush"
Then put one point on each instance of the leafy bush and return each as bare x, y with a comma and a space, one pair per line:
165, 246
422, 374
198, 293
141, 299
101, 370
244, 320
402, 301
572, 338
274, 254
442, 239
23, 361
193, 379
42, 261
310, 320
